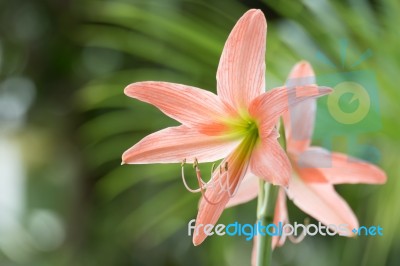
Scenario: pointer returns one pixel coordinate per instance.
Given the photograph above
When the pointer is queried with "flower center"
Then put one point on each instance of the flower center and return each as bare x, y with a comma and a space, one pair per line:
251, 129
243, 127
225, 180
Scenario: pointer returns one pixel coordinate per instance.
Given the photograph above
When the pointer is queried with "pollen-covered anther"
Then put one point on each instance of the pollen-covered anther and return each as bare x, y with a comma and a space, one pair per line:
195, 163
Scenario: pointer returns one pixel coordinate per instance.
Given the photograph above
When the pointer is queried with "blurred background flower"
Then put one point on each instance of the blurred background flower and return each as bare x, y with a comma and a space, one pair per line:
64, 123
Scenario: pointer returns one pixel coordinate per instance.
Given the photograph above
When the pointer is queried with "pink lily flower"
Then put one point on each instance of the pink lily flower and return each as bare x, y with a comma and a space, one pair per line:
237, 125
315, 169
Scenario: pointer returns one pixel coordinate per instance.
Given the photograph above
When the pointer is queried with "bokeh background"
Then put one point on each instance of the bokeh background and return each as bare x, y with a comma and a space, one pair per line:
64, 123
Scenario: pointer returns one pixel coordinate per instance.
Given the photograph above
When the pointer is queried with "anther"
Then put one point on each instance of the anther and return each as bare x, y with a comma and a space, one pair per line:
195, 163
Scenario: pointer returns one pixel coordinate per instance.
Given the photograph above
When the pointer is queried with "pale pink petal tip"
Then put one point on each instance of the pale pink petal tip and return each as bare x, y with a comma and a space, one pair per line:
302, 69
197, 241
324, 90
255, 11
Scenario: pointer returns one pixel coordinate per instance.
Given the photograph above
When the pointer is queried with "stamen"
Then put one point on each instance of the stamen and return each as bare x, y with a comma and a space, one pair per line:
202, 190
229, 187
296, 240
225, 186
196, 167
184, 179
293, 239
234, 192
220, 175
211, 182
282, 240
220, 178
202, 185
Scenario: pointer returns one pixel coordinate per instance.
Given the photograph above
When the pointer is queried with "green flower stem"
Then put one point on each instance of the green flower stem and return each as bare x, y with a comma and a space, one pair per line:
265, 215
267, 196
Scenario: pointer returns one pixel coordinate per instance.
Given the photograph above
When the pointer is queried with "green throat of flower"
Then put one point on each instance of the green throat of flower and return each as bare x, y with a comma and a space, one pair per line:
232, 169
245, 128
252, 129
250, 135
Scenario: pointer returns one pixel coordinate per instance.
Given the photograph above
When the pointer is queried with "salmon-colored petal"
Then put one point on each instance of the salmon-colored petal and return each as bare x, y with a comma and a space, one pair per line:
209, 213
306, 164
224, 187
241, 70
173, 144
323, 203
247, 190
191, 106
269, 161
268, 107
280, 215
313, 175
339, 168
299, 120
